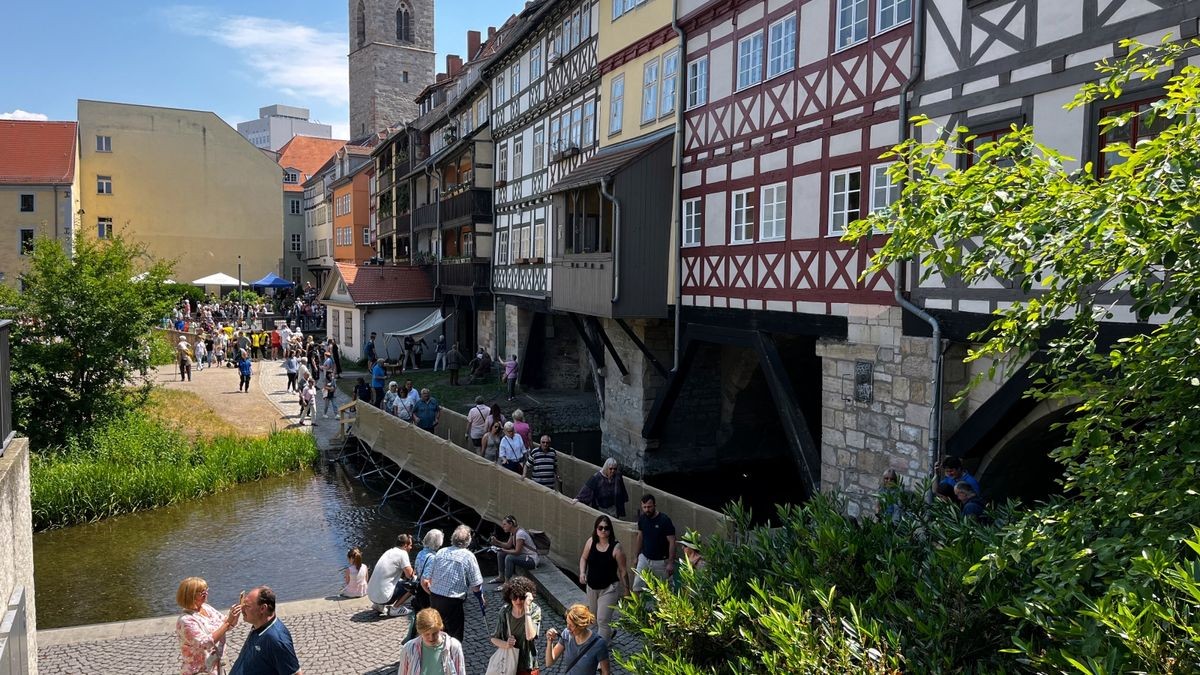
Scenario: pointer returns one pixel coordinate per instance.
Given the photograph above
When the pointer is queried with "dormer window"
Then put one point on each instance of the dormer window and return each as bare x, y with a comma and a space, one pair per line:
291, 177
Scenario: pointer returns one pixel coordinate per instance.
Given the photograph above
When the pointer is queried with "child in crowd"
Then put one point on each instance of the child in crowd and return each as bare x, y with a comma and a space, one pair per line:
355, 575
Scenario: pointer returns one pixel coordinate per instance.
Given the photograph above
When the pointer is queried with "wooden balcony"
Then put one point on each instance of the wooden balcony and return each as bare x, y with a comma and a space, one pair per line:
474, 204
425, 217
465, 276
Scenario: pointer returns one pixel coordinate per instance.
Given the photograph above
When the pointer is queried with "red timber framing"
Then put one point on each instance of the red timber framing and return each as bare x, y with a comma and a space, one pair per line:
834, 111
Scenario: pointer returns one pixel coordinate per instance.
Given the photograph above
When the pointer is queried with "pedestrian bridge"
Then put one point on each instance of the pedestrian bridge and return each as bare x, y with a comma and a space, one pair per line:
444, 462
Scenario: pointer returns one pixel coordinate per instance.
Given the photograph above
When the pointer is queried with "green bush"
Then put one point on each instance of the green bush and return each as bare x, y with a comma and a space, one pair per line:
162, 352
828, 594
138, 463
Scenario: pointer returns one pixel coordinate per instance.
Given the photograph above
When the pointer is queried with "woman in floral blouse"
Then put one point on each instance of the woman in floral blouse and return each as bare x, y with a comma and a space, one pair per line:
201, 629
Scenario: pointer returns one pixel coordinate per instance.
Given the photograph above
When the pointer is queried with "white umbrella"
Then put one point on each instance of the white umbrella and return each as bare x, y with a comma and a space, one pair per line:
218, 279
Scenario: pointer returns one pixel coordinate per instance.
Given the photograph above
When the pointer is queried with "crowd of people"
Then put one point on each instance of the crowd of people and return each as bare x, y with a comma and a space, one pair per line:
956, 486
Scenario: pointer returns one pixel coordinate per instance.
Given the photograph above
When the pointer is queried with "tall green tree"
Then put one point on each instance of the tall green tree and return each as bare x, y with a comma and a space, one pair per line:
80, 335
1093, 574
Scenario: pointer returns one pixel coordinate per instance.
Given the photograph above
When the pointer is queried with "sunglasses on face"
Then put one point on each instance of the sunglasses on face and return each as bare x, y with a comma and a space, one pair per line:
603, 528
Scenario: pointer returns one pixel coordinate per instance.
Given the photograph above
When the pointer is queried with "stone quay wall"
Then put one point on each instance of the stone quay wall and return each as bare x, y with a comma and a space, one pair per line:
16, 542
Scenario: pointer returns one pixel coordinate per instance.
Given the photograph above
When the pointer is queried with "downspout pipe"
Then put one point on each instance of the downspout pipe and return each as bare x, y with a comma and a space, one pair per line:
935, 413
677, 197
616, 263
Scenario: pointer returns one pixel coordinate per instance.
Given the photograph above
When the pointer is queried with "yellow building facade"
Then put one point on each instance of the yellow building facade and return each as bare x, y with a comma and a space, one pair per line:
641, 82
182, 182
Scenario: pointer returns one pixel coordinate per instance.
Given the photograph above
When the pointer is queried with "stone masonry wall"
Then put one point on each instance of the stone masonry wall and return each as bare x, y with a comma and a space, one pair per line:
16, 538
380, 92
486, 327
861, 440
565, 365
627, 400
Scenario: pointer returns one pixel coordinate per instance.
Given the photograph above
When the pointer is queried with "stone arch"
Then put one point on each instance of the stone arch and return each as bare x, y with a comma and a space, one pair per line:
360, 23
1019, 465
404, 31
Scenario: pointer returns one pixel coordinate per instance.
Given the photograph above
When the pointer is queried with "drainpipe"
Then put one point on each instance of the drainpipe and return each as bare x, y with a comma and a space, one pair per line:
677, 197
616, 294
935, 414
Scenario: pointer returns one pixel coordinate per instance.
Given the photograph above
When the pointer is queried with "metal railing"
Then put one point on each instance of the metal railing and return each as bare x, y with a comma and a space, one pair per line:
14, 645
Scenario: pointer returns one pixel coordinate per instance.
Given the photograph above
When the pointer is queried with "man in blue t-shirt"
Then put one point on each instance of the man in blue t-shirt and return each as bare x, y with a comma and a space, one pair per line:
378, 375
268, 649
427, 411
954, 472
654, 547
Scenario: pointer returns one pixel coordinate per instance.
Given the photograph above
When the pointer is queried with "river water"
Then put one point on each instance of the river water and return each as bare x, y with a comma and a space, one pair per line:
290, 533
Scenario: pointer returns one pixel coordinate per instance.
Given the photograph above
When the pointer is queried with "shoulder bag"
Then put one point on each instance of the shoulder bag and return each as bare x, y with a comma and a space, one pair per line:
504, 661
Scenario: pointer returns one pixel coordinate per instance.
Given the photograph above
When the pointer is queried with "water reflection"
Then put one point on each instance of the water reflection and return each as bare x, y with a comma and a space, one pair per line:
290, 533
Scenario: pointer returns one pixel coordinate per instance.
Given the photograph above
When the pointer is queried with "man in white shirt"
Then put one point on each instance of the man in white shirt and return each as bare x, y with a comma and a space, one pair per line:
477, 424
386, 590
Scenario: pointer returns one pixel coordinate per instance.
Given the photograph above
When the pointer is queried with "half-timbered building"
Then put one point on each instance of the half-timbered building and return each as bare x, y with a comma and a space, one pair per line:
788, 106
544, 92
989, 66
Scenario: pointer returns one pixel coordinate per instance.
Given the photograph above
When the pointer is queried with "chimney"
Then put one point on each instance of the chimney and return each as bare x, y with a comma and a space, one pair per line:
491, 33
473, 40
453, 65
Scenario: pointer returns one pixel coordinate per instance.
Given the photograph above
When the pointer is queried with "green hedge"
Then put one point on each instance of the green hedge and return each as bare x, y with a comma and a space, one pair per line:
138, 463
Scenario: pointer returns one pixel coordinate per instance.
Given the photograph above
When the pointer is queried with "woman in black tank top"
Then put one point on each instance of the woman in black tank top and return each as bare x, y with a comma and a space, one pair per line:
603, 573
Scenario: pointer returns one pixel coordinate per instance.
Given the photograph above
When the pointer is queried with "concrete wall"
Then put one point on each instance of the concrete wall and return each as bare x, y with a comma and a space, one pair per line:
185, 184
860, 440
16, 537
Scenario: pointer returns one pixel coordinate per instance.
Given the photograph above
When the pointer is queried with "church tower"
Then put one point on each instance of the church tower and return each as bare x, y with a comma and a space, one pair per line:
391, 61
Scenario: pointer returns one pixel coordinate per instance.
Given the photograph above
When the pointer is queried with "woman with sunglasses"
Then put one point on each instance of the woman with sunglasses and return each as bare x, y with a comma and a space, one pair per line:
201, 630
490, 443
519, 623
603, 570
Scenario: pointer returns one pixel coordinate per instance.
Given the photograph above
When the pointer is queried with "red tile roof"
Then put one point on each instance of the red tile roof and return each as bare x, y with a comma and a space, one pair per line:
37, 153
308, 154
382, 285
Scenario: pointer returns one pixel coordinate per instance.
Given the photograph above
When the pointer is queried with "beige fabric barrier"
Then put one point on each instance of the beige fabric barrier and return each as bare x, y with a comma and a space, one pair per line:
495, 492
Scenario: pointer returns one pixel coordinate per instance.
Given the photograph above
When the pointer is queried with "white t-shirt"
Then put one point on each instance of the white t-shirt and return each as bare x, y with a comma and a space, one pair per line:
388, 572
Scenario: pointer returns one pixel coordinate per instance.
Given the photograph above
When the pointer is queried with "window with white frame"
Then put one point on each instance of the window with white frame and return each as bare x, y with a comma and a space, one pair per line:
366, 236
781, 53
535, 63
337, 321
851, 22
750, 60
616, 105
697, 82
296, 239
103, 143
691, 222
500, 90
743, 217
773, 203
670, 82
845, 199
104, 228
539, 149
519, 156
291, 177
502, 247
104, 185
576, 126
514, 80
589, 122
539, 239
892, 13
650, 91
884, 192
348, 341
622, 7
294, 207
502, 162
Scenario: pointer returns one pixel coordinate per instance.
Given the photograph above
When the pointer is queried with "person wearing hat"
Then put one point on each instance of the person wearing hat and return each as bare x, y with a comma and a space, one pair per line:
691, 550
185, 359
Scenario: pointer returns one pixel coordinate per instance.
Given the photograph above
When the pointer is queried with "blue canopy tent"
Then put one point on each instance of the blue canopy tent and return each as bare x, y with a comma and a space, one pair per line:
272, 280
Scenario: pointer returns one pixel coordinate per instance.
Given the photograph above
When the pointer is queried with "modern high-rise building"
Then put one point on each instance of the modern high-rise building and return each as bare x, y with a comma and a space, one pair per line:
278, 124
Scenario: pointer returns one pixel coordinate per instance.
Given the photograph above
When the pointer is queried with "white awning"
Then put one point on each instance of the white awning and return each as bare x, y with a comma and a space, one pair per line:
423, 327
218, 279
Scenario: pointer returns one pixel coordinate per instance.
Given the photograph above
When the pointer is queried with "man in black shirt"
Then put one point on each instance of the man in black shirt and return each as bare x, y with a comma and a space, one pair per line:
655, 544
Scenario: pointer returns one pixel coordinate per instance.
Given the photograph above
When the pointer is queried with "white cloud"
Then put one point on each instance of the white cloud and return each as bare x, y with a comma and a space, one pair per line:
19, 114
296, 60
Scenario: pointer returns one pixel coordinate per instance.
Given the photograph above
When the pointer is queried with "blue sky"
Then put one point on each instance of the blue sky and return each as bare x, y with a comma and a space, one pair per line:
228, 57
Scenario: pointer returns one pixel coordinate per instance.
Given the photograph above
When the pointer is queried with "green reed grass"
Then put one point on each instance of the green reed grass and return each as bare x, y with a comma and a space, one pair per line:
138, 463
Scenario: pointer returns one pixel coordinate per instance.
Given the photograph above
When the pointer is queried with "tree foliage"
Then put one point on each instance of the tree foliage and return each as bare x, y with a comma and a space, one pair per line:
80, 335
1104, 578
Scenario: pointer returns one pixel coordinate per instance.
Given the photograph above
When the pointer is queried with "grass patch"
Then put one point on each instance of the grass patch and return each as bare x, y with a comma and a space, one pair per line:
142, 462
187, 413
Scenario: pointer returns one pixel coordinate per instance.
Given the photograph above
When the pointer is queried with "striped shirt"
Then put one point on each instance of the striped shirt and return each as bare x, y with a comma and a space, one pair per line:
543, 467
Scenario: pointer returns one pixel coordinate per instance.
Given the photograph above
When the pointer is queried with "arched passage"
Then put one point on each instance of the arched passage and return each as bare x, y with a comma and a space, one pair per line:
1019, 466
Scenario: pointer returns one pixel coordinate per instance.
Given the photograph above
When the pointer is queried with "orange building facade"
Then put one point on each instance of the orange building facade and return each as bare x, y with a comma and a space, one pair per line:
352, 218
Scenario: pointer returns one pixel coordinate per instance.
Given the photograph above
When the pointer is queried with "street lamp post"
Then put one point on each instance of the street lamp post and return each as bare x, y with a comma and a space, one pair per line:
239, 288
